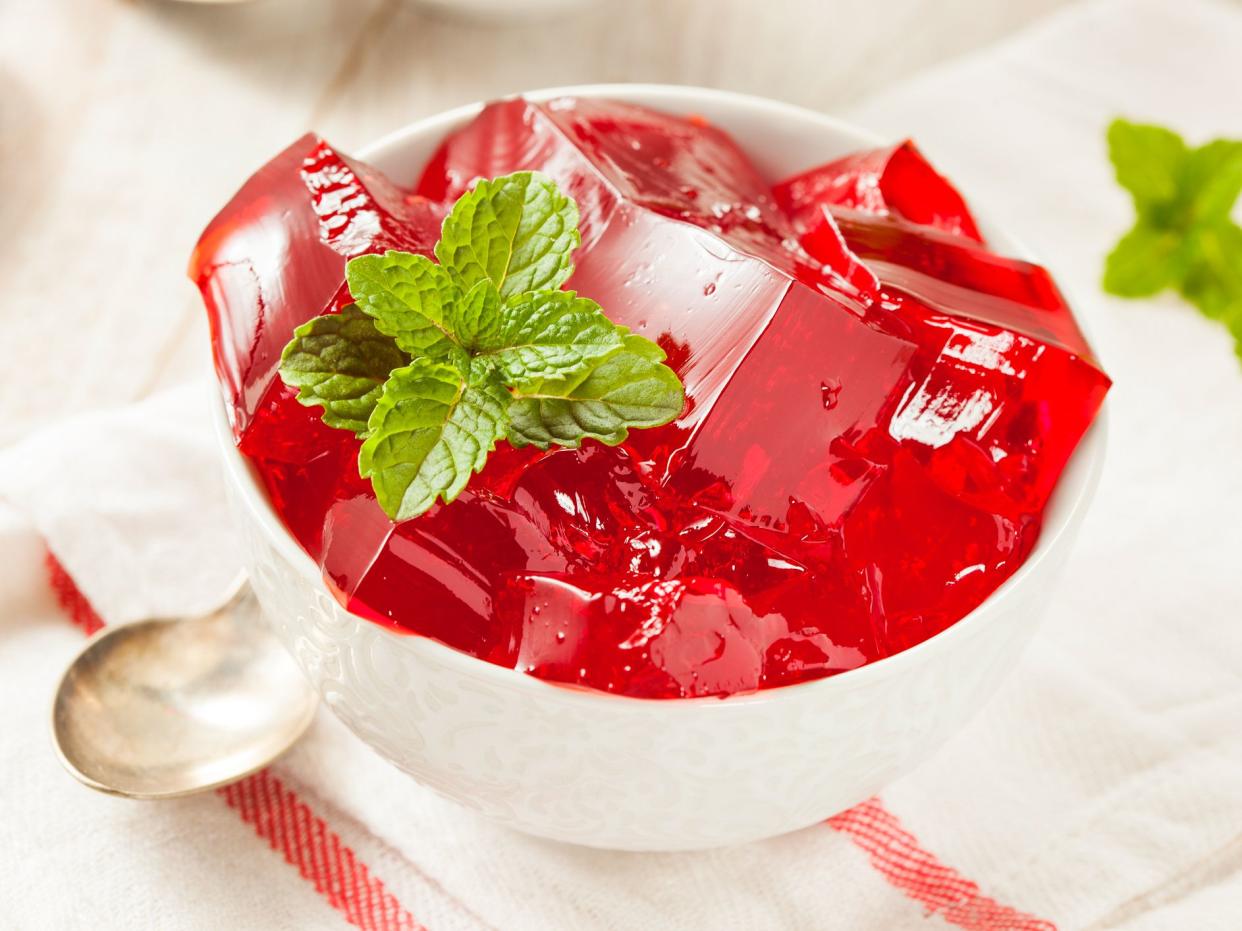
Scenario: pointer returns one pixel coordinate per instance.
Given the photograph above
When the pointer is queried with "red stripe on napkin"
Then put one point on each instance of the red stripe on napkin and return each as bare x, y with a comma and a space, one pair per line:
916, 871
72, 601
282, 819
289, 826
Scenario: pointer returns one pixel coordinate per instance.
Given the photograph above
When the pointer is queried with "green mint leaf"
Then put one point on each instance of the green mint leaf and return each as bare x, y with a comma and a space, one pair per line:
429, 431
628, 389
518, 231
475, 319
408, 296
641, 346
1184, 237
1147, 159
340, 363
1213, 282
547, 335
1212, 180
1145, 262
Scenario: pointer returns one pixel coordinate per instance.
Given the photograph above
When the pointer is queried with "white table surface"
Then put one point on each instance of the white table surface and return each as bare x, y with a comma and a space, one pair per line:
125, 125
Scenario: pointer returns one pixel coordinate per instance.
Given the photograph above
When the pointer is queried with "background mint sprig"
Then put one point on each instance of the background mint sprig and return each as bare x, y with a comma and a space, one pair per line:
1183, 235
435, 363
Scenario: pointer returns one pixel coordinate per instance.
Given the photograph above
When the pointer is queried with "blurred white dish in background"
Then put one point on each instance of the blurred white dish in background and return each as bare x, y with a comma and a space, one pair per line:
504, 10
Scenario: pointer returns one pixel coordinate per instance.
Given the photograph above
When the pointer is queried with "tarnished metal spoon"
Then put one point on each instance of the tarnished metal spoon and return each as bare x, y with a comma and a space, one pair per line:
172, 706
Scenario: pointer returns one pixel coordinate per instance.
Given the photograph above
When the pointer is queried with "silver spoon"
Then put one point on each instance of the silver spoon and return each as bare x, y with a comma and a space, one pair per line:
173, 706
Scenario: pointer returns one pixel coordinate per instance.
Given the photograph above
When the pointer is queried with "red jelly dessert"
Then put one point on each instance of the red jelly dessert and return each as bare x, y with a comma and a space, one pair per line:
878, 407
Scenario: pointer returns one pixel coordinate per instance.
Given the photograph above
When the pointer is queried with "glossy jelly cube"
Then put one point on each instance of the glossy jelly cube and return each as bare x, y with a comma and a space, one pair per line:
961, 278
1005, 383
305, 465
275, 256
894, 180
606, 152
678, 638
927, 557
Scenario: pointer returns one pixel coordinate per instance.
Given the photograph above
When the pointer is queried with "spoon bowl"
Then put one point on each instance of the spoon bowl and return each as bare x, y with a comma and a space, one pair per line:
172, 706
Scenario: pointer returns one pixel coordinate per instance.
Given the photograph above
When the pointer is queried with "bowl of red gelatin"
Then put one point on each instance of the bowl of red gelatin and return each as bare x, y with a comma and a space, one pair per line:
721, 629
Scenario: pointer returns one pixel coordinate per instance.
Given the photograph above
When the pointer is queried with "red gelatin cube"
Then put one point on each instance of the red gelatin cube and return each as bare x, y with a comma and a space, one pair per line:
825, 243
602, 152
893, 180
994, 415
961, 279
1005, 384
927, 557
305, 465
275, 256
439, 575
801, 421
679, 638
687, 637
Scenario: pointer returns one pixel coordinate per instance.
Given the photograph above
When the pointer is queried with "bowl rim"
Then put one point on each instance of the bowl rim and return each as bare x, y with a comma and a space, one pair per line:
1065, 510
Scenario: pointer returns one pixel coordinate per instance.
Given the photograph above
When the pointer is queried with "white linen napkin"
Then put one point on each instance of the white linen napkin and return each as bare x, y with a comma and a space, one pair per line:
1098, 790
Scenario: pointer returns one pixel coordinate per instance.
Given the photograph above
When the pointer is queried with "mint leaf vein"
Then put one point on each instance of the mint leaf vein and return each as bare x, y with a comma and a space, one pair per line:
519, 232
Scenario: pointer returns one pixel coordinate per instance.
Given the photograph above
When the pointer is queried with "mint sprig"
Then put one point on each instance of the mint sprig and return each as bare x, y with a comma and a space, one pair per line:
1183, 235
435, 363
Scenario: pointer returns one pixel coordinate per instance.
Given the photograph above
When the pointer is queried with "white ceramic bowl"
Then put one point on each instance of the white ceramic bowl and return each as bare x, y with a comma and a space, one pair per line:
609, 771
